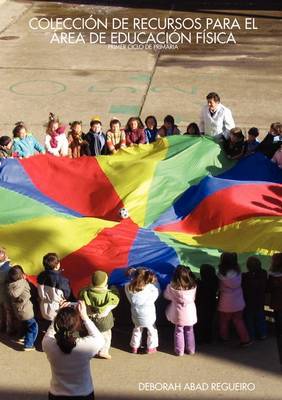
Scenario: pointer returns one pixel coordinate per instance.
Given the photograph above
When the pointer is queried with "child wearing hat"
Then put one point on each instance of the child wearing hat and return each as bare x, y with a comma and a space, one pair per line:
100, 301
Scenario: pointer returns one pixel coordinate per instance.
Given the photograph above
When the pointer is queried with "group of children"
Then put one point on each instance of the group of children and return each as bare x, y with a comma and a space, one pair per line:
75, 143
238, 297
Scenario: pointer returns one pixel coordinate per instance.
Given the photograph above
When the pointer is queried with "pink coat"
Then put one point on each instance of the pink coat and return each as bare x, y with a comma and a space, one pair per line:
230, 292
182, 310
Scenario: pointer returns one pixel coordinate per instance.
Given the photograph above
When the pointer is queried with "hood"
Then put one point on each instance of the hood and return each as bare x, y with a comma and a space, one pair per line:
182, 296
232, 279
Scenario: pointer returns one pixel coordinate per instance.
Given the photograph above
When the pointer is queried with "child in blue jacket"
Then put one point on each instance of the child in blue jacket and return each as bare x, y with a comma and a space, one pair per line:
25, 145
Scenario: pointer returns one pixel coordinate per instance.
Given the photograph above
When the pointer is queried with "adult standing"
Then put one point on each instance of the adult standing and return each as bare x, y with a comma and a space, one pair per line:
70, 343
216, 120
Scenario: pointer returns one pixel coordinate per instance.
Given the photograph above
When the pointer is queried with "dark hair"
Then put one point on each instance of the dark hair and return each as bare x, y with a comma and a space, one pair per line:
51, 120
276, 127
152, 117
140, 278
74, 123
95, 122
237, 132
195, 128
228, 262
15, 273
213, 96
50, 261
253, 131
114, 121
67, 324
183, 278
169, 119
131, 119
5, 140
207, 272
276, 263
18, 127
253, 264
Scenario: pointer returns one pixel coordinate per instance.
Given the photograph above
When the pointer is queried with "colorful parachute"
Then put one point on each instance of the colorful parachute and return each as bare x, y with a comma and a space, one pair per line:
186, 203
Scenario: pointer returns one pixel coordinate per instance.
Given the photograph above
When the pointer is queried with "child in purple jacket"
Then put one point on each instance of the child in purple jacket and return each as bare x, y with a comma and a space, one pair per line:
231, 301
182, 310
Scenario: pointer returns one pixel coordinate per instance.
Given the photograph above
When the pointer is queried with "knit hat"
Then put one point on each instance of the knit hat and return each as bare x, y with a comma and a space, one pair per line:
99, 279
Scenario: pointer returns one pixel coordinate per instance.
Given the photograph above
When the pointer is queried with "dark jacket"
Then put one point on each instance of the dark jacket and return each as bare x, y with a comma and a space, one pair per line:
254, 287
206, 296
53, 288
97, 150
233, 149
275, 289
268, 147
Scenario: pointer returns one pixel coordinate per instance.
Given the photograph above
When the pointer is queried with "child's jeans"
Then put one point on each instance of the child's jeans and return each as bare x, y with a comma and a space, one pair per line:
256, 324
237, 318
184, 339
30, 332
107, 335
152, 337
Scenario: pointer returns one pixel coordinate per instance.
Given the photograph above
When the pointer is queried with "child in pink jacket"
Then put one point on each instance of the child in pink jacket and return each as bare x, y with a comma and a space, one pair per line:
231, 301
182, 310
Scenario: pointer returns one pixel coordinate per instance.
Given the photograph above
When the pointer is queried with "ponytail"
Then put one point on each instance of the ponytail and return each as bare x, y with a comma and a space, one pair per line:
67, 324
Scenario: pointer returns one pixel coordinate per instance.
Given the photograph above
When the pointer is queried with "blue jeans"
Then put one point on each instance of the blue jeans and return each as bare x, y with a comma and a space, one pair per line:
278, 329
256, 324
30, 332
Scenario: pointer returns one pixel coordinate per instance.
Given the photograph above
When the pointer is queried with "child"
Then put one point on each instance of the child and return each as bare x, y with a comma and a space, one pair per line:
134, 132
275, 289
142, 292
207, 288
115, 137
231, 302
100, 302
234, 145
277, 158
254, 287
19, 294
272, 140
5, 312
25, 145
252, 143
182, 310
193, 129
169, 128
151, 130
77, 146
96, 138
6, 144
53, 288
56, 142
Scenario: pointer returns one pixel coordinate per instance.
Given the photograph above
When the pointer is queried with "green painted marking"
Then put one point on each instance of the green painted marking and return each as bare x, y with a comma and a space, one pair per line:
141, 78
124, 109
34, 92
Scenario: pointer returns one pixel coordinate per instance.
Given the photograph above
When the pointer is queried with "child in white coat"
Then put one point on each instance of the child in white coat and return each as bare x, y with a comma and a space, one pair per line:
142, 292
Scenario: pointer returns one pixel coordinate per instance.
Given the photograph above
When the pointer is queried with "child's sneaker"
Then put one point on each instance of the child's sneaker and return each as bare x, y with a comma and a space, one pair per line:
28, 348
152, 350
179, 354
106, 356
246, 344
134, 350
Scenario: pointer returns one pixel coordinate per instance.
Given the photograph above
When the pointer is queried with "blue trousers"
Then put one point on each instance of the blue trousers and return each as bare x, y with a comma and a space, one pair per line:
30, 327
256, 324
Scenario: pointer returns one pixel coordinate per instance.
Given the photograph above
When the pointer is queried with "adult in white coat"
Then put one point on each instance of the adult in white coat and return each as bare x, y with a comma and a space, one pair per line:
216, 120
